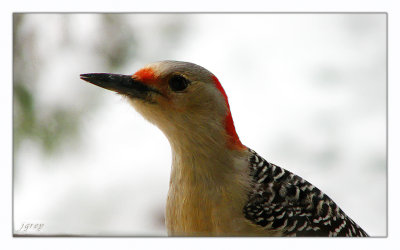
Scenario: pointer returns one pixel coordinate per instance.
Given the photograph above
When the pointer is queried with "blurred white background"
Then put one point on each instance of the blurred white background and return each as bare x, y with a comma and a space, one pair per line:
307, 92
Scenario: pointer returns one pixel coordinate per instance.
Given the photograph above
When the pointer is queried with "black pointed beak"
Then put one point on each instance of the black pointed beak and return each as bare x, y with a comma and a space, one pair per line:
123, 84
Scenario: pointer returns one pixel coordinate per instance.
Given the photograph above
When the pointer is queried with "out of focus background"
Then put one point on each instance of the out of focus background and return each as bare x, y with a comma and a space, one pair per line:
307, 92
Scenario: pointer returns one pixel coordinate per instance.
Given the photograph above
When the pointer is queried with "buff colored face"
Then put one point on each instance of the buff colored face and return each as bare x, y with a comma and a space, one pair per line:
167, 91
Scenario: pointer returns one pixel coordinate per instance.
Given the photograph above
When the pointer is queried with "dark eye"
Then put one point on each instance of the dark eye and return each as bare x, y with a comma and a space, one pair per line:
178, 83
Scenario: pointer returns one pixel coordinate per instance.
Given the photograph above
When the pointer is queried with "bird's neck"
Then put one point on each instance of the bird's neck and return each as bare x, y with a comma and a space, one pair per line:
202, 157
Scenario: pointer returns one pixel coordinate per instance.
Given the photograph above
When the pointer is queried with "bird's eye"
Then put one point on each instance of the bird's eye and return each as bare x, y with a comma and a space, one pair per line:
178, 83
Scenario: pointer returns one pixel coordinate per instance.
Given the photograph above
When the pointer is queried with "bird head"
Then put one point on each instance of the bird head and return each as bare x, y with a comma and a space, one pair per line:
186, 101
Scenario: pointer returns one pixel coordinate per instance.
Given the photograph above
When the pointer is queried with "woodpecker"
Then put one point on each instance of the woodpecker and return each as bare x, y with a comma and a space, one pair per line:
218, 186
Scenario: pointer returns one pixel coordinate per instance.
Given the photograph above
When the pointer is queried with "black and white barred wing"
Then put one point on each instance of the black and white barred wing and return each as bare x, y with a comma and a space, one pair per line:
284, 202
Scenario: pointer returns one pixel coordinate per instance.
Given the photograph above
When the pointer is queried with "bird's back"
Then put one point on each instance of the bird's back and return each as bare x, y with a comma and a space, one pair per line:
284, 202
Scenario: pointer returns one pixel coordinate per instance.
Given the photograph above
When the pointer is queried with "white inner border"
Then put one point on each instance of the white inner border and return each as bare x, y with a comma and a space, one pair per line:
182, 6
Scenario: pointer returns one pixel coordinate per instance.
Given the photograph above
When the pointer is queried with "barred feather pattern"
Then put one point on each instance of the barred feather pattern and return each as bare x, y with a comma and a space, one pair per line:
284, 202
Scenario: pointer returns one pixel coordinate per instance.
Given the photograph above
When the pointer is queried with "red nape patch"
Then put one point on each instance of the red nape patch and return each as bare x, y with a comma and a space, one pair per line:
145, 74
234, 141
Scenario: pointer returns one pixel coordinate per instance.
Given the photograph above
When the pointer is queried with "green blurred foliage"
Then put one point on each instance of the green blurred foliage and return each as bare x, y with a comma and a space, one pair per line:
116, 42
121, 43
60, 124
51, 131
